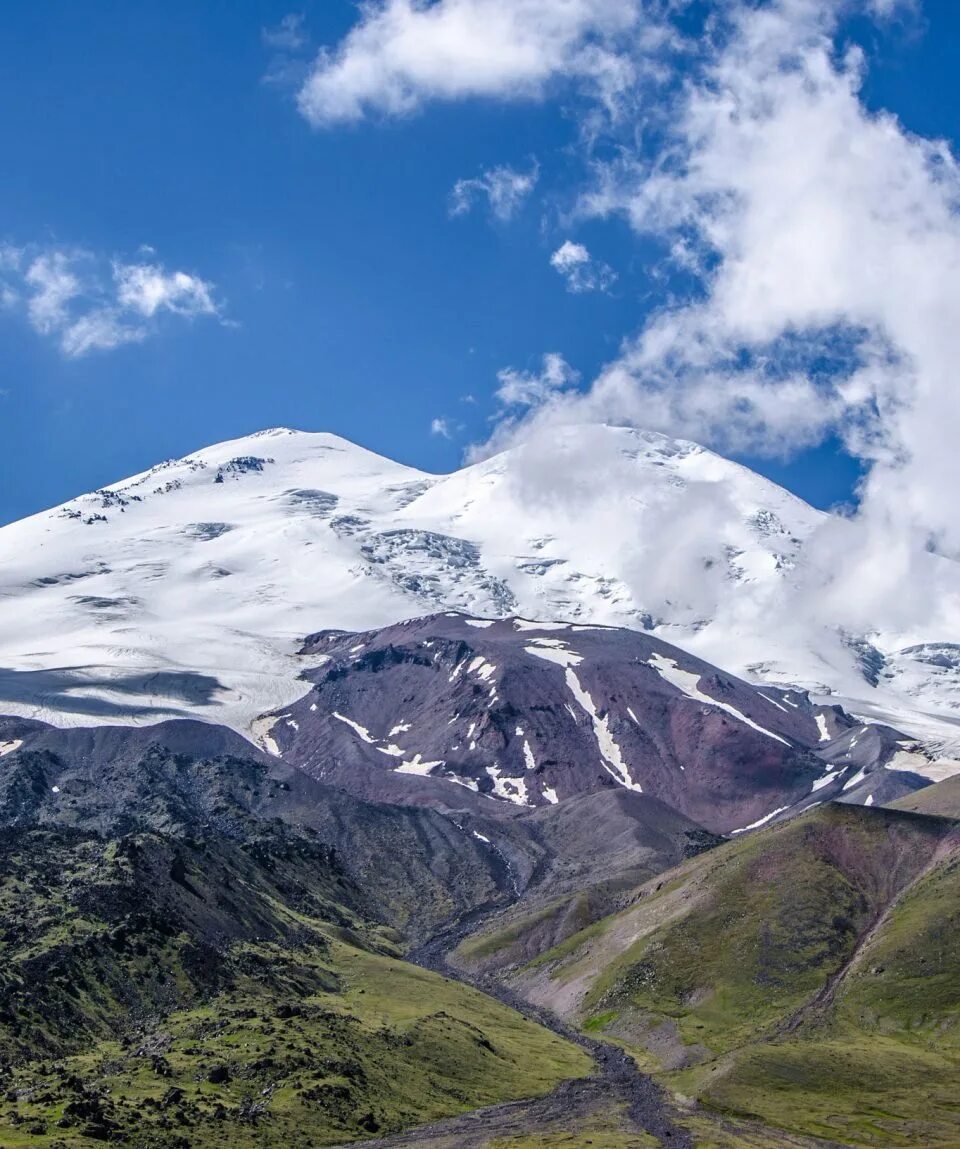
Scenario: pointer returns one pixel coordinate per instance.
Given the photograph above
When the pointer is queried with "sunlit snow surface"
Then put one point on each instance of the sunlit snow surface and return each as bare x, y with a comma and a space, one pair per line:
186, 590
689, 683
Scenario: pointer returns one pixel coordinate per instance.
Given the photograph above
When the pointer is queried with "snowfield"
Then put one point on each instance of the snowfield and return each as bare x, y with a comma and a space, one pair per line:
186, 590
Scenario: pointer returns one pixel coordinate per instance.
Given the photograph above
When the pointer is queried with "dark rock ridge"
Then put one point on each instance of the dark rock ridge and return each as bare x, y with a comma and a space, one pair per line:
454, 711
418, 867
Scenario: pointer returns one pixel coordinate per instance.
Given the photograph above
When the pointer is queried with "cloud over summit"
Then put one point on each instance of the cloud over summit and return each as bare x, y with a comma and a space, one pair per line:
823, 240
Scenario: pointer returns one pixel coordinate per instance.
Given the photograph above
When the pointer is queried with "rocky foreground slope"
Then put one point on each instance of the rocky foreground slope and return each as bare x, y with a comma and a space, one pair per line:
203, 945
184, 961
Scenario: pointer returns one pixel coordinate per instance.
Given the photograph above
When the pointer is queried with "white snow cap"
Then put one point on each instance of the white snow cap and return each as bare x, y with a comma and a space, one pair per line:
186, 590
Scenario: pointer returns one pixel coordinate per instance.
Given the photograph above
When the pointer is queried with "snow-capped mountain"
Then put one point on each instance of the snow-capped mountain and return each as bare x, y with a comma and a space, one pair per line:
187, 590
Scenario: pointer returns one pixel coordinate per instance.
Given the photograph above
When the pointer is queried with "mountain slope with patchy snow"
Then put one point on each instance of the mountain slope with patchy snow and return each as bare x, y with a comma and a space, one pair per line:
453, 711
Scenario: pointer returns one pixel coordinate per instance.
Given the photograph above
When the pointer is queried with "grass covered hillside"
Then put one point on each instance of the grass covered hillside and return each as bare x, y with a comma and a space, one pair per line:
807, 975
942, 799
200, 948
200, 992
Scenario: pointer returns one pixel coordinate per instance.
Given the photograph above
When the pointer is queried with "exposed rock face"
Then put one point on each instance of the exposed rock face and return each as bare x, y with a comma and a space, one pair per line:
418, 868
454, 711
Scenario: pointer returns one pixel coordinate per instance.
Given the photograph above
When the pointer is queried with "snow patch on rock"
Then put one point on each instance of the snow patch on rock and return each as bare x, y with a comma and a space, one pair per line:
689, 683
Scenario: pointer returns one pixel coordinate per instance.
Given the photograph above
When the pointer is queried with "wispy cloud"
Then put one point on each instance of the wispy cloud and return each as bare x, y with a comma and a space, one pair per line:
146, 288
288, 36
290, 49
52, 288
520, 396
504, 188
532, 388
403, 53
441, 426
581, 271
88, 303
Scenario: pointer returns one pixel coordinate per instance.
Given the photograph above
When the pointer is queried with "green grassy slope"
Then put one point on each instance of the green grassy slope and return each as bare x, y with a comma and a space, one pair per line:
210, 992
942, 798
881, 1065
808, 975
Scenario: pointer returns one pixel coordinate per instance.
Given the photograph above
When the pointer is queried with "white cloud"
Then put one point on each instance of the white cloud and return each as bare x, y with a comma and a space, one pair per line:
405, 52
581, 271
522, 396
826, 238
532, 388
569, 256
102, 329
504, 188
69, 295
822, 217
10, 258
146, 289
441, 427
884, 9
53, 286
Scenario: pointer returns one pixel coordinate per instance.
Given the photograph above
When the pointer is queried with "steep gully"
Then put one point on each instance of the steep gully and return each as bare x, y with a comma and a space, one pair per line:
616, 1084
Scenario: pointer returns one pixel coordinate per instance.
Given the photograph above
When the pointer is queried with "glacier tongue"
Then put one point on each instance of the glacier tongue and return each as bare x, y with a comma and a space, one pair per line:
185, 590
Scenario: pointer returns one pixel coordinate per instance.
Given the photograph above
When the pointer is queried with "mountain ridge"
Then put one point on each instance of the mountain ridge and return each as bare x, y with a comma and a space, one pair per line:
456, 710
185, 589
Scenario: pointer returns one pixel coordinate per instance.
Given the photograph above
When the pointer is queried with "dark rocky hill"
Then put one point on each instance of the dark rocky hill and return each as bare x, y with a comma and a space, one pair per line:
453, 711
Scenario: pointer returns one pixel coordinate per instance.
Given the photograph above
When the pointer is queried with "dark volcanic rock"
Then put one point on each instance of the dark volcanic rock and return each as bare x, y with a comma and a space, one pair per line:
190, 779
452, 711
415, 867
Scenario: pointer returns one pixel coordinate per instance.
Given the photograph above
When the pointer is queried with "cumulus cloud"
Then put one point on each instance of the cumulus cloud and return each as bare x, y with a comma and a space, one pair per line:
581, 271
824, 239
403, 53
504, 188
811, 266
85, 304
817, 222
440, 426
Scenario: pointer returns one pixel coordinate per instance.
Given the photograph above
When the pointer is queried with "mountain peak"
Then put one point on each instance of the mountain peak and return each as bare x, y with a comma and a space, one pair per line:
186, 589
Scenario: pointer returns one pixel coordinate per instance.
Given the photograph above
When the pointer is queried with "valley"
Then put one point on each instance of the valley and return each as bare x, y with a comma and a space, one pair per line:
480, 575
285, 860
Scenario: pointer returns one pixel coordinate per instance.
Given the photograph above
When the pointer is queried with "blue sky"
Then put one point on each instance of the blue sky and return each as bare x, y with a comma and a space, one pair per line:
344, 296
